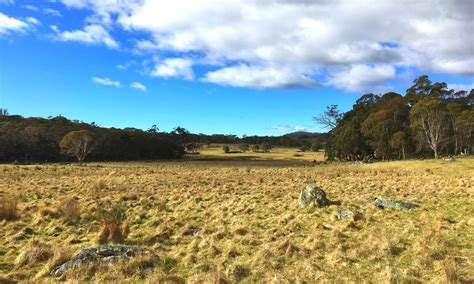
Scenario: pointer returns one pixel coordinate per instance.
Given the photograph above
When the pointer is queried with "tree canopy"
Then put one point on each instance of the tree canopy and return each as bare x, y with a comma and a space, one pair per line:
429, 118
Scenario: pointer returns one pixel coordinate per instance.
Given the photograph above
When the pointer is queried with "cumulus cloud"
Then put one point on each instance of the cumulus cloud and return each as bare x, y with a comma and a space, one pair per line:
174, 67
351, 37
359, 77
138, 86
91, 34
106, 82
10, 24
259, 77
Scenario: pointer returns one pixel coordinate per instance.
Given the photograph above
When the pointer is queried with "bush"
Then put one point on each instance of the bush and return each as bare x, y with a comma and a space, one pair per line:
266, 147
244, 147
303, 148
114, 224
315, 147
226, 149
8, 208
255, 148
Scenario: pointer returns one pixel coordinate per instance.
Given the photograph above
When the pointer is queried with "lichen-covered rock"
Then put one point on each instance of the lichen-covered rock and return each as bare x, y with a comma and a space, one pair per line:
347, 213
389, 203
101, 254
311, 195
344, 214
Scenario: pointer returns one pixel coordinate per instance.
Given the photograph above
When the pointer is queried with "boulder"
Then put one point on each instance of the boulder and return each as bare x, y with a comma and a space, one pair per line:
311, 195
101, 254
389, 203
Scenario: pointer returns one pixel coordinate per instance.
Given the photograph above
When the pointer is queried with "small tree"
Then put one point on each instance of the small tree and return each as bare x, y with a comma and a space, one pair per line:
255, 148
77, 144
266, 147
244, 147
429, 117
226, 149
3, 112
330, 118
315, 147
153, 129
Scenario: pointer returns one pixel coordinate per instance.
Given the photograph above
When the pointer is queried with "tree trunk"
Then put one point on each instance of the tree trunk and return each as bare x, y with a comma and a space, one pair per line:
435, 153
403, 152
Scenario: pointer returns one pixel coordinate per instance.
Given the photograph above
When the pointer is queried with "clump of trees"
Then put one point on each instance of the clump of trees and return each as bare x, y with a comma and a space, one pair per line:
429, 120
60, 139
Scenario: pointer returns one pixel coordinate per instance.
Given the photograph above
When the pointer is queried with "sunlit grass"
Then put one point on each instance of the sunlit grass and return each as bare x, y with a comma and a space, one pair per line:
240, 220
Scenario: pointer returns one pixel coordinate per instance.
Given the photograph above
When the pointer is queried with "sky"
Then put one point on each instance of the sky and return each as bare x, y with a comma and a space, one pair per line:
244, 67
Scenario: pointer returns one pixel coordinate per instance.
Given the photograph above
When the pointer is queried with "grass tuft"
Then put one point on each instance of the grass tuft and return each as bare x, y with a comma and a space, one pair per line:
8, 207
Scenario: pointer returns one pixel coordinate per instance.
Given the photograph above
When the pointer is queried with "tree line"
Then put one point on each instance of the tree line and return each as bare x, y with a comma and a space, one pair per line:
429, 120
60, 139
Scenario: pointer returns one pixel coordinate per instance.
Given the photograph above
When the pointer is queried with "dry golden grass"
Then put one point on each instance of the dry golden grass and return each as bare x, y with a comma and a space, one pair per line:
8, 207
217, 221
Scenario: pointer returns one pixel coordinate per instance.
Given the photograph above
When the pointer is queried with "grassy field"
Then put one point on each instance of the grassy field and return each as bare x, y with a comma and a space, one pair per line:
276, 154
214, 220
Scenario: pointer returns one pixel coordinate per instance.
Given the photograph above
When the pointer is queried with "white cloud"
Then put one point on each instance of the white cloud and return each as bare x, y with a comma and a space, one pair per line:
54, 28
30, 7
106, 82
92, 34
431, 35
291, 128
174, 67
138, 86
10, 24
52, 12
33, 21
259, 77
359, 77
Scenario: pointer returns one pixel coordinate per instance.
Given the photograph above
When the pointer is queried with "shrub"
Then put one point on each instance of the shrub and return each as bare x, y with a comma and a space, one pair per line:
244, 147
315, 147
70, 209
303, 148
8, 208
255, 148
114, 224
226, 149
266, 147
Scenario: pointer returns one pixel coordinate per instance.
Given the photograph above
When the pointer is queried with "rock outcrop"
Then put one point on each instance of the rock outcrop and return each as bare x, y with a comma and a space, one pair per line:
101, 254
389, 203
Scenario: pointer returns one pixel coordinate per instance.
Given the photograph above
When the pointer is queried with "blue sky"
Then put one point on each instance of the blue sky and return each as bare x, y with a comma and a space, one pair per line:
246, 67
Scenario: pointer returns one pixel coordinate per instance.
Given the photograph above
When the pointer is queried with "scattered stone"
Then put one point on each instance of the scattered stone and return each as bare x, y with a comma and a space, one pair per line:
450, 159
389, 203
312, 195
101, 254
344, 214
347, 213
191, 231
